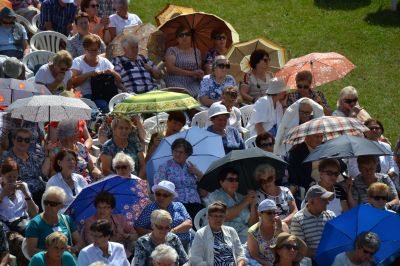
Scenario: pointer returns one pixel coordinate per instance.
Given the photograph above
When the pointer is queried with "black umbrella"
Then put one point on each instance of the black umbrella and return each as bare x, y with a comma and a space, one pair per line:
245, 162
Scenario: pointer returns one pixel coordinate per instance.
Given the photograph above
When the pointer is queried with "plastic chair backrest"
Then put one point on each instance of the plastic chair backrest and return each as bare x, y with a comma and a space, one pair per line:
47, 40
246, 111
37, 58
27, 25
150, 125
36, 22
117, 99
200, 119
200, 219
250, 142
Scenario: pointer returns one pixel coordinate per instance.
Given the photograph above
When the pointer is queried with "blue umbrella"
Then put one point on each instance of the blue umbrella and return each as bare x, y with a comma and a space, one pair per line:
207, 147
346, 146
130, 194
340, 233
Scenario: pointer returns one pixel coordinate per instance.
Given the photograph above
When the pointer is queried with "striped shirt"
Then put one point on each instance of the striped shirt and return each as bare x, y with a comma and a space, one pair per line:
309, 227
59, 16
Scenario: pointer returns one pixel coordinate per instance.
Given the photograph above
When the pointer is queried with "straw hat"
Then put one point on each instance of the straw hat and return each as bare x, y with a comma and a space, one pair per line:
283, 238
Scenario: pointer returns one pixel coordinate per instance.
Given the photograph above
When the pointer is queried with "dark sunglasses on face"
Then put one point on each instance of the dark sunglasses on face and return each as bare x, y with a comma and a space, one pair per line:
377, 198
121, 167
94, 6
51, 203
222, 66
184, 34
219, 38
330, 173
21, 139
349, 101
162, 195
305, 87
232, 179
290, 247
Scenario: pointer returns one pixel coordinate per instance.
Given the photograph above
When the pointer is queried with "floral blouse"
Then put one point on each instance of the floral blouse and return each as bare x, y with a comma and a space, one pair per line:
281, 201
209, 86
263, 245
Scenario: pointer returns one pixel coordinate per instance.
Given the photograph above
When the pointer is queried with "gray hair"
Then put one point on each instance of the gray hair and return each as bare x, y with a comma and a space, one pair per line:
368, 240
53, 190
122, 157
158, 216
164, 252
218, 59
264, 169
67, 128
349, 90
128, 41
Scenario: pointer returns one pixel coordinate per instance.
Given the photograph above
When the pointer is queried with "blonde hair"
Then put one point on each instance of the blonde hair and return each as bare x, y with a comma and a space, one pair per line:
158, 216
53, 190
377, 187
115, 122
55, 239
62, 57
263, 169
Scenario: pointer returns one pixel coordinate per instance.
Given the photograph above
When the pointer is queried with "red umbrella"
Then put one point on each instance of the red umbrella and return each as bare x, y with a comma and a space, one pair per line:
325, 67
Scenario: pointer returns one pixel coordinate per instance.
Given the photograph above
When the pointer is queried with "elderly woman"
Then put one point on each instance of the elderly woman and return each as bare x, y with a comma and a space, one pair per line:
29, 163
303, 83
102, 248
264, 233
164, 255
164, 193
183, 63
74, 43
183, 174
367, 166
55, 254
97, 25
161, 222
231, 138
64, 164
301, 111
51, 220
348, 105
289, 250
68, 133
265, 141
91, 65
268, 110
120, 141
56, 75
255, 83
123, 232
265, 175
124, 165
242, 210
378, 195
137, 71
217, 244
122, 18
212, 85
16, 207
13, 37
365, 246
219, 38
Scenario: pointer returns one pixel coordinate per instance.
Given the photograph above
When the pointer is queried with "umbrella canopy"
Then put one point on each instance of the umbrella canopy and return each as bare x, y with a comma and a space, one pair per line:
172, 11
325, 67
346, 146
142, 32
330, 126
245, 162
239, 56
155, 102
156, 47
45, 108
339, 233
202, 156
14, 89
130, 194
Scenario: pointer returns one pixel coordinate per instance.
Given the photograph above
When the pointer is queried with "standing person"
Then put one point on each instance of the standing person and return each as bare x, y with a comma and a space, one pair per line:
57, 15
219, 38
122, 18
97, 25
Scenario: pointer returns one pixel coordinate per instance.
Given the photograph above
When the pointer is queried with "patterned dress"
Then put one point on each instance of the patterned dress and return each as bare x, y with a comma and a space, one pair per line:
282, 200
209, 86
223, 253
264, 249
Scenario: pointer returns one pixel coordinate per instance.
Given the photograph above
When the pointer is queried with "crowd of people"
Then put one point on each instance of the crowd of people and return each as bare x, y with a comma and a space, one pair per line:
279, 223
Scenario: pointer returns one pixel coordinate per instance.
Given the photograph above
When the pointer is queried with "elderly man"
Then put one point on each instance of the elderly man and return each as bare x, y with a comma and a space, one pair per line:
309, 222
137, 71
57, 15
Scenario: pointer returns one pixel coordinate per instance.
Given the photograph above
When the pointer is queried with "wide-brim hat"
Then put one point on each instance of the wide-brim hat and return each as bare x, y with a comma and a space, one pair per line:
217, 109
276, 85
165, 185
283, 237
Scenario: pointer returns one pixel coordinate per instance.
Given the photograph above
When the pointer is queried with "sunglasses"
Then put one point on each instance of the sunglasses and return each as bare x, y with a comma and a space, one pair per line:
51, 203
219, 38
368, 252
162, 228
121, 167
269, 212
374, 128
330, 173
184, 34
290, 247
222, 66
21, 139
162, 195
95, 6
266, 144
305, 87
233, 95
266, 180
377, 198
232, 179
349, 101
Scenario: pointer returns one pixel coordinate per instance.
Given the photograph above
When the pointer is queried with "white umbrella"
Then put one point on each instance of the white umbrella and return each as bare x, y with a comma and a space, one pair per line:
43, 108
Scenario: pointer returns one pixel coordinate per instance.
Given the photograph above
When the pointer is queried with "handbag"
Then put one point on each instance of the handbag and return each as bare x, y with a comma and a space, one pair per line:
103, 87
18, 225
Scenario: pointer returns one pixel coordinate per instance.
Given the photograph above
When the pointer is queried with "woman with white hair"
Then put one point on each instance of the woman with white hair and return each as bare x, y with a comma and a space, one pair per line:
124, 165
122, 18
348, 105
137, 71
164, 255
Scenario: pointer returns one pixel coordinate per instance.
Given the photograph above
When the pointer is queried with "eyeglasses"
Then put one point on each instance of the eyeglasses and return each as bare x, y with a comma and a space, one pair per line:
290, 247
305, 87
162, 195
232, 179
162, 228
330, 173
216, 216
377, 198
266, 144
184, 34
266, 180
95, 6
21, 139
51, 203
269, 212
374, 128
93, 50
121, 167
222, 66
220, 38
368, 252
349, 101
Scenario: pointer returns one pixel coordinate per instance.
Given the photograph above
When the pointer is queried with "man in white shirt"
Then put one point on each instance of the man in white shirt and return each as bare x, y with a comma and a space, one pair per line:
122, 18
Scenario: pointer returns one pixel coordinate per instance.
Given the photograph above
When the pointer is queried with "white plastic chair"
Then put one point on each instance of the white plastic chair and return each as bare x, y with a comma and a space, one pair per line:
246, 111
200, 119
117, 99
37, 58
36, 21
200, 219
150, 125
47, 40
27, 25
250, 142
24, 248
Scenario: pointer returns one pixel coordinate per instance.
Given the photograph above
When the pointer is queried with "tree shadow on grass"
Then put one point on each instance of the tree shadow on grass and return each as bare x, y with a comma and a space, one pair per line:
341, 4
384, 18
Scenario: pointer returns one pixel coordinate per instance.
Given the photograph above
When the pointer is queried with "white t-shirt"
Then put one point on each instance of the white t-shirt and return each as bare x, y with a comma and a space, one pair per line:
80, 65
342, 260
44, 76
119, 23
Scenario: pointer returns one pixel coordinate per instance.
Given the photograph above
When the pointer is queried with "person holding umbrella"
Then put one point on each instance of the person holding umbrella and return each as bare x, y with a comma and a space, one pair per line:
219, 38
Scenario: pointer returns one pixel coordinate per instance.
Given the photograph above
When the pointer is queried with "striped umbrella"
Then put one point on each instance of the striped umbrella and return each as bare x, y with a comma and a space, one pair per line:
330, 126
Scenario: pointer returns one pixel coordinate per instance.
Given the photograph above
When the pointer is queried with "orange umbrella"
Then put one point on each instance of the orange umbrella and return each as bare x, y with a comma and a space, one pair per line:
325, 67
171, 11
5, 3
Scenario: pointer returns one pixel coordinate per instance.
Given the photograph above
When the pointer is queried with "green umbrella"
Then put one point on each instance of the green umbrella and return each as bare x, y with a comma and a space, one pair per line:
245, 162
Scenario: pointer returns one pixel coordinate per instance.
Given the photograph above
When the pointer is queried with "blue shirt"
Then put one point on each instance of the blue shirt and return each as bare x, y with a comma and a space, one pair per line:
232, 140
39, 259
209, 86
7, 40
59, 16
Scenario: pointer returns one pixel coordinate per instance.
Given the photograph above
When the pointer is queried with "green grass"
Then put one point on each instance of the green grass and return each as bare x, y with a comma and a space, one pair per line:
367, 34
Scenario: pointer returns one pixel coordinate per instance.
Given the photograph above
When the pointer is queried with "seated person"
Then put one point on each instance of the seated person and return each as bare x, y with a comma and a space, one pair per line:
241, 212
102, 248
97, 25
13, 37
137, 71
212, 85
161, 222
122, 18
4, 252
164, 255
75, 42
289, 250
304, 80
57, 16
348, 105
219, 38
56, 74
265, 141
124, 165
378, 196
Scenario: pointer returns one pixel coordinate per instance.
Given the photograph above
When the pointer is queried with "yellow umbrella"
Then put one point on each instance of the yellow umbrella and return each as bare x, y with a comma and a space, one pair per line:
171, 11
239, 56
